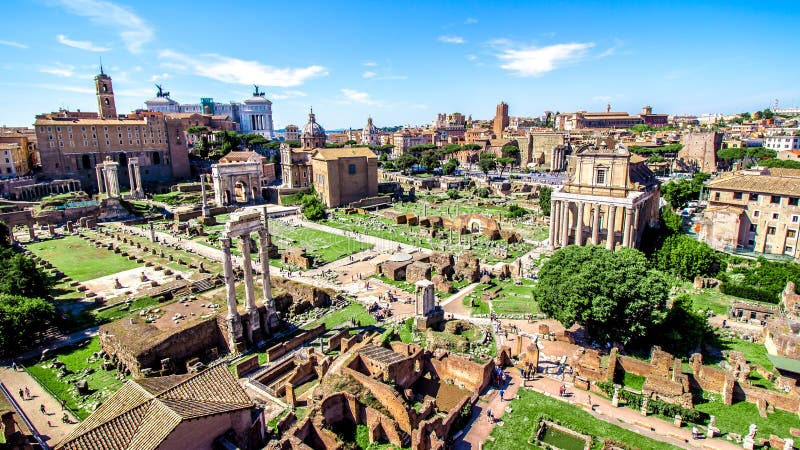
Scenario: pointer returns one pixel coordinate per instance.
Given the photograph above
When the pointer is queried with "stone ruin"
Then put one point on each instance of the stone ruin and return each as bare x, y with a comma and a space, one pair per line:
296, 256
468, 267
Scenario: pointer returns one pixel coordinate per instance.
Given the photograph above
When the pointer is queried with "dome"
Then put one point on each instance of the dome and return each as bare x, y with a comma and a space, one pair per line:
312, 128
257, 98
161, 101
370, 126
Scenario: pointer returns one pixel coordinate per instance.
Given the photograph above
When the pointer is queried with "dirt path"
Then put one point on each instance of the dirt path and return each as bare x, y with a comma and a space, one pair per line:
48, 424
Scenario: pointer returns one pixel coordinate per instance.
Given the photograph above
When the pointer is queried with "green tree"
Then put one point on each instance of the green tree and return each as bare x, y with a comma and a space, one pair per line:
453, 194
450, 166
312, 206
404, 162
482, 192
768, 114
687, 258
5, 235
21, 319
505, 163
614, 294
684, 329
19, 275
430, 161
544, 199
671, 221
254, 142
679, 192
487, 163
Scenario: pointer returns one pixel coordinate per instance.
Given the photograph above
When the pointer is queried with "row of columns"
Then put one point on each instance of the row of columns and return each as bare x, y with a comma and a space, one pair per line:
561, 225
251, 310
107, 181
39, 190
135, 177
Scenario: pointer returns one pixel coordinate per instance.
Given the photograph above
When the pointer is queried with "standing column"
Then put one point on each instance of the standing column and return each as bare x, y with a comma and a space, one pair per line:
564, 223
247, 266
263, 242
132, 179
233, 319
552, 238
579, 225
635, 232
205, 210
612, 215
101, 184
596, 224
626, 236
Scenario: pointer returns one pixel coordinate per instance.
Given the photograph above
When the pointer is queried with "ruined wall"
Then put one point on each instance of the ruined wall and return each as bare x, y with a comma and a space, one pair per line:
462, 372
634, 366
278, 350
390, 400
294, 297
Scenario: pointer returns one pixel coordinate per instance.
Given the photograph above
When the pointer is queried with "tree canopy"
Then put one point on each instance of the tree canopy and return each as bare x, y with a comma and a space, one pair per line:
487, 162
687, 258
731, 154
313, 208
21, 318
544, 199
678, 192
19, 275
614, 294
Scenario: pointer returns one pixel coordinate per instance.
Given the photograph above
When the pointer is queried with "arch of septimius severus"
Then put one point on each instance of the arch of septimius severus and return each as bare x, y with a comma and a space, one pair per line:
609, 199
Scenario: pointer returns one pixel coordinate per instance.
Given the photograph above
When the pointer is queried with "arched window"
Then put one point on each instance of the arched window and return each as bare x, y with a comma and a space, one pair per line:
123, 160
86, 162
156, 158
105, 89
107, 103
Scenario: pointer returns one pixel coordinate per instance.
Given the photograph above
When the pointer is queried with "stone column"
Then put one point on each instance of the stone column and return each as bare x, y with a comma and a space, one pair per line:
137, 170
635, 233
612, 213
552, 238
31, 232
205, 209
254, 324
626, 236
564, 223
263, 242
233, 319
132, 179
579, 225
101, 184
596, 225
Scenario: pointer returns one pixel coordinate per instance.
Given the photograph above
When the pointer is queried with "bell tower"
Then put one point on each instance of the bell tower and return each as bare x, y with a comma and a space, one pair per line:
105, 96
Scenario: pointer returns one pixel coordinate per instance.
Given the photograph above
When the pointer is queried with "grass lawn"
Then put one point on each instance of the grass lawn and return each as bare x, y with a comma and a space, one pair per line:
633, 381
737, 418
754, 353
119, 311
712, 299
80, 260
326, 247
354, 312
519, 425
478, 306
102, 384
515, 299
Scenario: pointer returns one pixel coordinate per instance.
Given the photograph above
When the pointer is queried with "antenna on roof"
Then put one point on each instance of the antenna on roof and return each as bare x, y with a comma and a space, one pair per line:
101, 66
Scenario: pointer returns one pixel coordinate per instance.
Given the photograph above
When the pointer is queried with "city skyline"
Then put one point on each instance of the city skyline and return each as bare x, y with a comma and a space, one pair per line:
401, 66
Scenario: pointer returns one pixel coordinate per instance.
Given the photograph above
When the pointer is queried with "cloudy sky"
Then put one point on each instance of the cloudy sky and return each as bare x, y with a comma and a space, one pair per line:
402, 62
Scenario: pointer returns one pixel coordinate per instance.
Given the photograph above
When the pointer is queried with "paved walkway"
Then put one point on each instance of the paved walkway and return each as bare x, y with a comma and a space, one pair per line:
479, 428
49, 424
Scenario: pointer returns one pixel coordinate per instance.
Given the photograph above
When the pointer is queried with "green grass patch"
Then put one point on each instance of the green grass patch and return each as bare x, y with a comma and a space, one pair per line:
736, 418
519, 425
354, 312
123, 310
473, 302
753, 352
80, 260
102, 383
633, 381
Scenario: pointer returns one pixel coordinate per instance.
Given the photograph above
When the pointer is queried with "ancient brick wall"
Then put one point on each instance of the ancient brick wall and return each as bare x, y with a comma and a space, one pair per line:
278, 350
462, 372
634, 366
387, 397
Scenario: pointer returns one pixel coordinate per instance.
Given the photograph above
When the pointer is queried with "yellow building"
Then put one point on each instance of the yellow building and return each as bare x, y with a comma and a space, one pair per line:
754, 210
14, 160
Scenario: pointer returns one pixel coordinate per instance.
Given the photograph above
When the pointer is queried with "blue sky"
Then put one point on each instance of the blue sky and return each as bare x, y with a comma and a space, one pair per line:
402, 62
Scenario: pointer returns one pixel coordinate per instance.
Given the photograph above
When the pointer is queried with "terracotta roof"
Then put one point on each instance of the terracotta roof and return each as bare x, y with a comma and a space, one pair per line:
346, 152
241, 157
142, 414
69, 121
777, 182
637, 158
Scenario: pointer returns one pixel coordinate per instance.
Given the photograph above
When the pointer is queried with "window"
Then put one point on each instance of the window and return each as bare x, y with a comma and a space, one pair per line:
771, 230
794, 201
737, 195
789, 250
600, 176
795, 219
753, 197
775, 215
716, 195
756, 213
791, 233
351, 169
775, 199
753, 228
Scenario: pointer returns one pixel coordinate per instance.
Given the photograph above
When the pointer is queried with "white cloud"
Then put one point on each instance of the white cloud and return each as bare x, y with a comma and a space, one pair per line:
369, 74
369, 64
137, 69
470, 21
452, 39
59, 70
472, 57
288, 94
162, 76
358, 97
535, 61
13, 44
132, 29
83, 45
51, 87
240, 71
602, 98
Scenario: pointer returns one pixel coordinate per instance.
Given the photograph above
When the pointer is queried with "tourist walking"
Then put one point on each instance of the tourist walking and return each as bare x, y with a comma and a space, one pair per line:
502, 394
21, 394
589, 399
27, 393
42, 409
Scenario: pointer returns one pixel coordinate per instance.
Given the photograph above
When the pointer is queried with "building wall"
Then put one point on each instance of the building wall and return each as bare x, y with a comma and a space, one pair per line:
338, 187
543, 145
781, 143
200, 433
768, 224
700, 150
13, 160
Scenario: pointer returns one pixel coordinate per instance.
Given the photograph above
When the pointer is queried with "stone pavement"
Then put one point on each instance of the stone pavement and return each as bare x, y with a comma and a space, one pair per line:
479, 428
48, 425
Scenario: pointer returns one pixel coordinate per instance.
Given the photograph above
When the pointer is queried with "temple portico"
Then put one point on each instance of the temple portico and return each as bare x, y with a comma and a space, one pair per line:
609, 199
135, 177
107, 180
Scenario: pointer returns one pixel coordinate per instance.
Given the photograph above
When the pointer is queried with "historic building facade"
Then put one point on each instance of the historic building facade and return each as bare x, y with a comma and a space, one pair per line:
755, 210
313, 135
369, 135
344, 175
71, 144
610, 198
